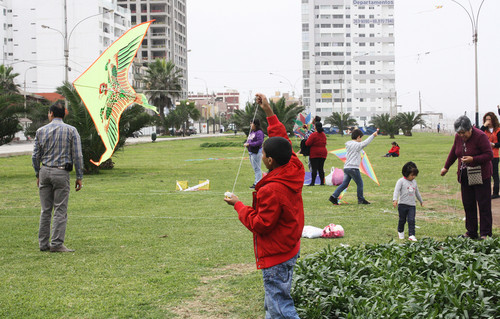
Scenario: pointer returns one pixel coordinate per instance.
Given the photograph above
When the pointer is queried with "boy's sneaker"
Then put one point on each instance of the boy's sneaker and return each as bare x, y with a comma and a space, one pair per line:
412, 238
363, 202
401, 235
252, 187
334, 200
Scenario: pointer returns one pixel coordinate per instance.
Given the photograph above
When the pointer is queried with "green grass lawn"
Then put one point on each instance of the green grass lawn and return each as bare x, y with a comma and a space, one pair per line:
144, 250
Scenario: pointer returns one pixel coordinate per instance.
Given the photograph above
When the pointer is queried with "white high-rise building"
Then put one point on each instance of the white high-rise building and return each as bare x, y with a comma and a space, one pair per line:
167, 36
34, 41
348, 57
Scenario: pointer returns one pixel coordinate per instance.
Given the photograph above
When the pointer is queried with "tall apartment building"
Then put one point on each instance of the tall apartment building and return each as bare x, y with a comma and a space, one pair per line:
348, 57
166, 38
34, 38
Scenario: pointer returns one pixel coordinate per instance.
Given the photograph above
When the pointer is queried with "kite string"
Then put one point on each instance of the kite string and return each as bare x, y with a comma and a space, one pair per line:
243, 155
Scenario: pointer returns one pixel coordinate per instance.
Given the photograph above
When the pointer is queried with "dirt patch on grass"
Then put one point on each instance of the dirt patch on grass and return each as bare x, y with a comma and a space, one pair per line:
205, 305
452, 204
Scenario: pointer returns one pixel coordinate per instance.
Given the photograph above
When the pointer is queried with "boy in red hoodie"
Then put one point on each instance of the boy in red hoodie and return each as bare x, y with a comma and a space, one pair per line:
276, 217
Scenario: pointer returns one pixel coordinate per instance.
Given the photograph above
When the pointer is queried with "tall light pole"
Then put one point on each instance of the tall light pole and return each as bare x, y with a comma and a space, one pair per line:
31, 67
289, 82
206, 114
474, 19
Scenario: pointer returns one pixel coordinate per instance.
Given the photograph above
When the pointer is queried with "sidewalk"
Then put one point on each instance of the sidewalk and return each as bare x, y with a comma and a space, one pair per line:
26, 147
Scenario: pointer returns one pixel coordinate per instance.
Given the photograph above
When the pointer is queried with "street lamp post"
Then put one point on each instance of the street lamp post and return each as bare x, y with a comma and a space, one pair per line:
289, 82
32, 67
67, 37
474, 24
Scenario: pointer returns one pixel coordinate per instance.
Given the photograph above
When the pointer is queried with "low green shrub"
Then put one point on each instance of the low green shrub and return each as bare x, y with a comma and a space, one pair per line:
457, 278
222, 144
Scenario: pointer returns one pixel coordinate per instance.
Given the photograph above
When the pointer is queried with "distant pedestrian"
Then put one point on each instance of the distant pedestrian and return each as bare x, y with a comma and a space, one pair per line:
439, 127
406, 191
58, 148
254, 146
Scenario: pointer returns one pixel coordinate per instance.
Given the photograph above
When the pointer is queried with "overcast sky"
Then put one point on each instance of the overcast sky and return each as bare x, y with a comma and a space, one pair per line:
236, 44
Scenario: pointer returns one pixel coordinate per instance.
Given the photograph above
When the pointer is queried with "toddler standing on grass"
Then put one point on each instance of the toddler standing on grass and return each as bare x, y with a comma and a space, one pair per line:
407, 190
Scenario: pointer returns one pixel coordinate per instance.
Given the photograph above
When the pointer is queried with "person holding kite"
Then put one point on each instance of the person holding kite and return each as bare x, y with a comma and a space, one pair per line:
254, 146
351, 166
276, 217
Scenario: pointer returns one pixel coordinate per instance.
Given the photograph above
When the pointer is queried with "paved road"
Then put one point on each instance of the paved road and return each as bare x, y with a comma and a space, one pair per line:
26, 147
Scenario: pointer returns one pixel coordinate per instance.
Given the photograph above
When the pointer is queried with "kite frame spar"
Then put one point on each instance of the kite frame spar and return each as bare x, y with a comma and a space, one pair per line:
106, 100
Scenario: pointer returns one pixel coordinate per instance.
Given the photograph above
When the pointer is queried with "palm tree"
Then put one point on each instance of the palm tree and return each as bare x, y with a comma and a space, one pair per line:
183, 112
386, 124
408, 120
286, 114
242, 118
10, 106
163, 83
7, 84
341, 120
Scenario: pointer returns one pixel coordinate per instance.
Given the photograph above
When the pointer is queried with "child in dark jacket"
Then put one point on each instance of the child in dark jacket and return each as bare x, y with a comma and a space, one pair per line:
276, 217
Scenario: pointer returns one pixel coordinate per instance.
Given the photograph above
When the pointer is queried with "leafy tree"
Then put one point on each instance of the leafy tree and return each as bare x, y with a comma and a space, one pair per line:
341, 120
37, 113
408, 120
181, 114
10, 106
242, 118
386, 124
163, 82
286, 115
7, 84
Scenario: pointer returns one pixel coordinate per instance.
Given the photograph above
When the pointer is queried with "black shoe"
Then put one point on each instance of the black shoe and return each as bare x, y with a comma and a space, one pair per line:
44, 248
310, 185
334, 200
363, 202
253, 186
495, 196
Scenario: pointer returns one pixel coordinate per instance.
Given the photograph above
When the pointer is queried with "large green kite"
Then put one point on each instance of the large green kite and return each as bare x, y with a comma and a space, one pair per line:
106, 91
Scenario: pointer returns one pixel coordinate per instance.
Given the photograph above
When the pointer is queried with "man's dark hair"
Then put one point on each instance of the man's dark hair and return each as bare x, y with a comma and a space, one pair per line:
356, 133
279, 149
256, 122
409, 169
317, 119
58, 109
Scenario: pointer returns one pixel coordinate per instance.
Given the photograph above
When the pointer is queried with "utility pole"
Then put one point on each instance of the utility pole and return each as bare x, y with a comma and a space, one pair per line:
420, 105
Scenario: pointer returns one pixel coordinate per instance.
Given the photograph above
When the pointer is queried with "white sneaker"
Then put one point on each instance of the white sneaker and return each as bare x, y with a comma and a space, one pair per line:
412, 238
401, 235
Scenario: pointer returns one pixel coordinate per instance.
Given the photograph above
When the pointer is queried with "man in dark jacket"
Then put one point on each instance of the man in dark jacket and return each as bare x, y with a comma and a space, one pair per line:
276, 217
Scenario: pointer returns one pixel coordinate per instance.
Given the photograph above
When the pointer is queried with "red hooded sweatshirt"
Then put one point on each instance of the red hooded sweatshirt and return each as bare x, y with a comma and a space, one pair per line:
276, 217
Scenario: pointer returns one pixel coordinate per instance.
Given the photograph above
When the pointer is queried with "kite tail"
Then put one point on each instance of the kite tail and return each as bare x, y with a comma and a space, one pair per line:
143, 100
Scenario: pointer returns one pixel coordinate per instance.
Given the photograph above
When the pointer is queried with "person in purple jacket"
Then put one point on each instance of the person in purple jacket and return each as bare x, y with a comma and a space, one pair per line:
254, 146
472, 148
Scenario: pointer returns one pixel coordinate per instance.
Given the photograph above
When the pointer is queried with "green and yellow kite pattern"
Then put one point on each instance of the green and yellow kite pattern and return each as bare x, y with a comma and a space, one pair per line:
106, 91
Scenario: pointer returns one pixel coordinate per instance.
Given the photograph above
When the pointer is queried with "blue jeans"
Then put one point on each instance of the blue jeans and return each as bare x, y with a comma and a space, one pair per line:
406, 212
278, 302
255, 159
350, 173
